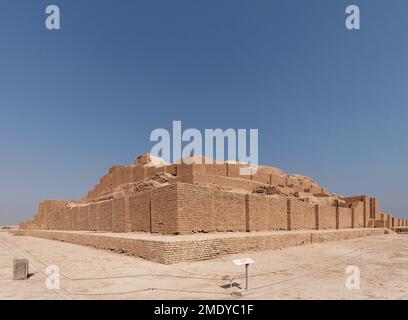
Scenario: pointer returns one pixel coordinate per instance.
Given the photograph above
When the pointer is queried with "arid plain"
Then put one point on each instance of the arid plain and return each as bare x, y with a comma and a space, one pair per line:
316, 271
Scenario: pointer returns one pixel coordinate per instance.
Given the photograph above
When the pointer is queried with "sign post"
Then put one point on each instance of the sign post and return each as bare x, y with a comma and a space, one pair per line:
246, 262
246, 277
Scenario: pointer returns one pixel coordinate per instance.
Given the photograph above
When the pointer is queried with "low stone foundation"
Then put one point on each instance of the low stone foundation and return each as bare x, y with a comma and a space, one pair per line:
172, 249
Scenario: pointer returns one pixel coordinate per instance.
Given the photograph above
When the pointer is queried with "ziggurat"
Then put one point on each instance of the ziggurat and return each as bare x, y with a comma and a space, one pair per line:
187, 199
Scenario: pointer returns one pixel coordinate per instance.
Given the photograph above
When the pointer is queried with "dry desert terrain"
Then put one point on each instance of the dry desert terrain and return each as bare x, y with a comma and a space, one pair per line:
314, 271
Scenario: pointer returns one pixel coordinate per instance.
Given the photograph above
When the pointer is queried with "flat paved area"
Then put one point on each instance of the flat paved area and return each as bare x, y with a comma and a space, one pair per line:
315, 271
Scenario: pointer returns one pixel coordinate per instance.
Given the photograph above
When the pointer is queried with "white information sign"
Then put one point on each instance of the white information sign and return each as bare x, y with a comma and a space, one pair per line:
240, 262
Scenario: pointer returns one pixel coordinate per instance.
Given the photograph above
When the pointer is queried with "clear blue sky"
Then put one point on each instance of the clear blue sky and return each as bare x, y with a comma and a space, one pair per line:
329, 103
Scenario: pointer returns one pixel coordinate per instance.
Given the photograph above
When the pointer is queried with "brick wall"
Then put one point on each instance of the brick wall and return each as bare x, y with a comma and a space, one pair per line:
74, 218
345, 218
195, 208
326, 217
358, 208
83, 218
123, 175
374, 208
184, 169
48, 214
186, 206
192, 250
265, 213
139, 212
119, 214
94, 216
229, 211
302, 215
118, 175
137, 173
164, 213
105, 216
61, 221
67, 220
366, 207
257, 207
277, 214
151, 171
41, 217
52, 216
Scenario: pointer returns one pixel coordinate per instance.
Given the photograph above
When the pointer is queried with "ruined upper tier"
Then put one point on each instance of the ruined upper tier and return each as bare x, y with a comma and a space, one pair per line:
153, 196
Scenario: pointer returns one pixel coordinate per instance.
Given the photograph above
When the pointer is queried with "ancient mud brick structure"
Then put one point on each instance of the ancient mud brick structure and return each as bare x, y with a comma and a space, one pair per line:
199, 197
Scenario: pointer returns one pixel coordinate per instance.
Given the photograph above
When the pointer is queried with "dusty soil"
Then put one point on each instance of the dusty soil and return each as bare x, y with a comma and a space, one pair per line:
308, 272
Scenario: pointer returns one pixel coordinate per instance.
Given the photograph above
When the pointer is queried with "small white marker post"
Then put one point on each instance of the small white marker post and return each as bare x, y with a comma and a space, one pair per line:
246, 262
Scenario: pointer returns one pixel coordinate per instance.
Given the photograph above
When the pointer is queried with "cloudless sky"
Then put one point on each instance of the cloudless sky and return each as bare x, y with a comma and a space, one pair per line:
329, 103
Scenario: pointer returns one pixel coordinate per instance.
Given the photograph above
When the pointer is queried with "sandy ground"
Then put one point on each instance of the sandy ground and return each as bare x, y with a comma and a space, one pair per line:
315, 271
